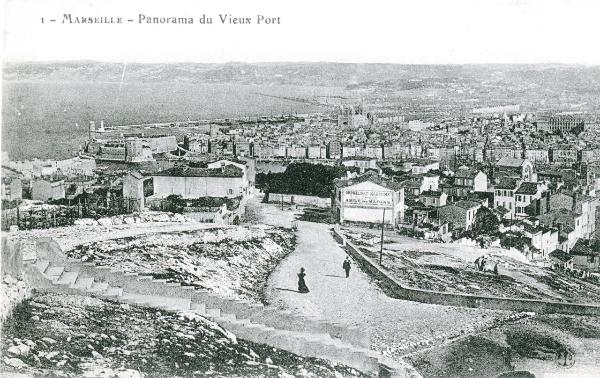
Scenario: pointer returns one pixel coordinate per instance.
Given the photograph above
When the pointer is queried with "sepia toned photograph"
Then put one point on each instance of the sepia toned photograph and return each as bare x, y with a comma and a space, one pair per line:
317, 189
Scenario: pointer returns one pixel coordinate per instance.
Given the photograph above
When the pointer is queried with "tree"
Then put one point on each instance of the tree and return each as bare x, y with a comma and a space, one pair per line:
302, 179
486, 223
516, 240
174, 203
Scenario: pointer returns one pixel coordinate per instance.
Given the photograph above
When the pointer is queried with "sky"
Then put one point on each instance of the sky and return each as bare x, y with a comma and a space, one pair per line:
373, 31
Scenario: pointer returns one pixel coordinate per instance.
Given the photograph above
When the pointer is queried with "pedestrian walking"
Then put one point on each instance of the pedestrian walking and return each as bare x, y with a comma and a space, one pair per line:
478, 263
346, 266
302, 288
482, 264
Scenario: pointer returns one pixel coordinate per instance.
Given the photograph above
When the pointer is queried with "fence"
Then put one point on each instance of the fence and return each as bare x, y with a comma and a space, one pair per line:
44, 216
296, 199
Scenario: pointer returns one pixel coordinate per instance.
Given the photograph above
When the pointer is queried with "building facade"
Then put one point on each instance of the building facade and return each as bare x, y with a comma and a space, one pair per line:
369, 202
47, 189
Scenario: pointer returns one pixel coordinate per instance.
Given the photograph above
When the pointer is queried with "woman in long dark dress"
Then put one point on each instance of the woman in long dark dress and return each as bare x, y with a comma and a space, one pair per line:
301, 283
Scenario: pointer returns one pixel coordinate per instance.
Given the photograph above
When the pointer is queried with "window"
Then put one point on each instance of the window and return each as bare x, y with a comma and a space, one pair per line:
148, 187
230, 191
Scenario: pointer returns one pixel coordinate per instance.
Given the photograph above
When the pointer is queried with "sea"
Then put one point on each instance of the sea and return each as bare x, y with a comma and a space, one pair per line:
48, 120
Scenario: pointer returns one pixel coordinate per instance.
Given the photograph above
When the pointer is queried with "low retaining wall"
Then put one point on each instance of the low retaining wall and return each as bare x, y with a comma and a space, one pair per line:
14, 284
395, 289
48, 249
11, 259
289, 199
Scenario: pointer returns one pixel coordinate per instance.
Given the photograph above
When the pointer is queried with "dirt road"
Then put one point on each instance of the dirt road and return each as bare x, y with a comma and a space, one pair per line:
396, 326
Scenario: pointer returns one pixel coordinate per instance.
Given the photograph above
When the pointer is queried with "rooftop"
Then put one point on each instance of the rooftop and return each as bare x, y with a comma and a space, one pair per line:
136, 174
581, 248
465, 204
527, 188
510, 162
431, 193
466, 173
563, 217
369, 176
507, 183
560, 255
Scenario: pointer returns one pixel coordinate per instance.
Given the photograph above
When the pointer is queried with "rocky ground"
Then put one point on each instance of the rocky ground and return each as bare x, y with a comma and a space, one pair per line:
454, 272
233, 261
545, 345
230, 260
12, 291
90, 230
68, 335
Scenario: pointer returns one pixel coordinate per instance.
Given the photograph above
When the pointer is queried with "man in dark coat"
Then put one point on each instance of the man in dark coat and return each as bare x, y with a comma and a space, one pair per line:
346, 266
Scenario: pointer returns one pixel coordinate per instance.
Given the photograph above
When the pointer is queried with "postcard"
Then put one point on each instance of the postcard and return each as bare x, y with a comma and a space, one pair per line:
300, 188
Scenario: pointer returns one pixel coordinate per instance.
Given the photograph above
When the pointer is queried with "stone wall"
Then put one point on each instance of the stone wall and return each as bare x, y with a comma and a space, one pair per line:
395, 289
300, 200
14, 286
11, 260
48, 249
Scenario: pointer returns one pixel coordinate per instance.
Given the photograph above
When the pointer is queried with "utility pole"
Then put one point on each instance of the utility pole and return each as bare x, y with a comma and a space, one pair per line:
281, 202
381, 245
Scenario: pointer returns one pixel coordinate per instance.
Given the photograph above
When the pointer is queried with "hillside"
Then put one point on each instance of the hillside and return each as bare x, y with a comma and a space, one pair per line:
77, 336
316, 74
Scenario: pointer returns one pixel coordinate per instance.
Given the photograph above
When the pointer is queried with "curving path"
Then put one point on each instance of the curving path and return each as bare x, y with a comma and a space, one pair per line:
393, 324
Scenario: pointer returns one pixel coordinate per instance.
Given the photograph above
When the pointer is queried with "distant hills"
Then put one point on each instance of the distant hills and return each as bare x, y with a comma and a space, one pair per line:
43, 102
312, 74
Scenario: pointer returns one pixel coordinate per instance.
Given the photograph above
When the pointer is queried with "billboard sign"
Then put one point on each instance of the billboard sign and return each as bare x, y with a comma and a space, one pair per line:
375, 199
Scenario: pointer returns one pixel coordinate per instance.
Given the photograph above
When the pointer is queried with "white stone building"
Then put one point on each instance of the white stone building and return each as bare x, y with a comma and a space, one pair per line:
367, 198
